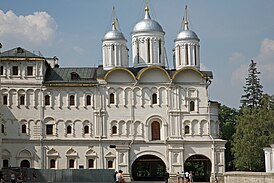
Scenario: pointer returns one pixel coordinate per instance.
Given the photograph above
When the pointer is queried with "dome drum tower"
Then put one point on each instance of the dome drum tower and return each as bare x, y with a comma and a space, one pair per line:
187, 48
148, 43
115, 51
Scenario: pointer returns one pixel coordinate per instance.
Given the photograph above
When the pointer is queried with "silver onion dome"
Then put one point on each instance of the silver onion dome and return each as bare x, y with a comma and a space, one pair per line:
187, 34
147, 24
114, 34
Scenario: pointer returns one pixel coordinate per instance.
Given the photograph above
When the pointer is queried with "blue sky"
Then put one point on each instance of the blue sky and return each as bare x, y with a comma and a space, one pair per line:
231, 32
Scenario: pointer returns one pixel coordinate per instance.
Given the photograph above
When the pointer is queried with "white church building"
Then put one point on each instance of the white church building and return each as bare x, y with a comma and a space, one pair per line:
138, 116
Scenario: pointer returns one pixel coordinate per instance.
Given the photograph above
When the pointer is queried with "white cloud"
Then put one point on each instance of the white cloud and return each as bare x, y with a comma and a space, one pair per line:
265, 65
78, 50
38, 29
237, 57
265, 60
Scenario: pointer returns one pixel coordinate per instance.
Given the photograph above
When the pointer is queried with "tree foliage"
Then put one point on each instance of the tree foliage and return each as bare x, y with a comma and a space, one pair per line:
255, 125
254, 131
228, 118
253, 88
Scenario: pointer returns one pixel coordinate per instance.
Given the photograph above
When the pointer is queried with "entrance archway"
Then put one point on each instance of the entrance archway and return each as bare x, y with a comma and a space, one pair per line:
25, 163
148, 168
200, 166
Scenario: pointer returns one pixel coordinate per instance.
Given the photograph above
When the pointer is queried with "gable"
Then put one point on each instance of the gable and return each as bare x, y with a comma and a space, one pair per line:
119, 75
154, 75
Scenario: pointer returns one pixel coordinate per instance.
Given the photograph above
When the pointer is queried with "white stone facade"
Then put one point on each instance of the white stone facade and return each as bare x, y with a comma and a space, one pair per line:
108, 116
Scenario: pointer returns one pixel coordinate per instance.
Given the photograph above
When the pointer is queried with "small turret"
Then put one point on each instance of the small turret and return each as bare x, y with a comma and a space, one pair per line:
115, 51
187, 48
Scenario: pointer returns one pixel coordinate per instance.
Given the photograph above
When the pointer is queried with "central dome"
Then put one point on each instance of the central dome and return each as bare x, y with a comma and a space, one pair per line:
147, 24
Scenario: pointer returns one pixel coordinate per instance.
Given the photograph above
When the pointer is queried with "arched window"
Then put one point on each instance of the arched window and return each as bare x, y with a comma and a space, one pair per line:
88, 100
155, 130
5, 100
47, 100
25, 163
22, 100
110, 164
160, 50
191, 106
3, 128
68, 129
154, 98
114, 129
111, 98
2, 70
187, 129
52, 163
187, 61
24, 128
71, 100
138, 53
91, 163
195, 54
86, 129
148, 50
71, 163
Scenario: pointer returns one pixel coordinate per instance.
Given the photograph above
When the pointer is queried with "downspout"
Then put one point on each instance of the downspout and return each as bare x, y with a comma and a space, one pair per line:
101, 105
167, 152
132, 124
209, 119
43, 154
132, 112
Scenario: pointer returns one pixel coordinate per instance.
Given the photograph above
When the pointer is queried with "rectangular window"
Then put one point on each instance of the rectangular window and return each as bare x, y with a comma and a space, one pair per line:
91, 163
49, 129
15, 70
29, 71
5, 100
2, 71
110, 164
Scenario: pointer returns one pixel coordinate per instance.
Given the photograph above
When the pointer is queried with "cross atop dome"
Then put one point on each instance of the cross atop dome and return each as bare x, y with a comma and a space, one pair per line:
147, 16
185, 20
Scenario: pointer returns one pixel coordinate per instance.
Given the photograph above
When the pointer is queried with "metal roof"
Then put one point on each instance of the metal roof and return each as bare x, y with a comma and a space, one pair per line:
19, 53
71, 75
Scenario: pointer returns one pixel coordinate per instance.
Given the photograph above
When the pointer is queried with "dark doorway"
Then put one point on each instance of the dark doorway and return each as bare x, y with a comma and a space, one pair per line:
200, 166
25, 163
148, 168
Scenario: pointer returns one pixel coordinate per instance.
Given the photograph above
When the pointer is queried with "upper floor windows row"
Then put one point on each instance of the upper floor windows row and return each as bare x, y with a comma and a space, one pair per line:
71, 101
30, 98
154, 99
16, 71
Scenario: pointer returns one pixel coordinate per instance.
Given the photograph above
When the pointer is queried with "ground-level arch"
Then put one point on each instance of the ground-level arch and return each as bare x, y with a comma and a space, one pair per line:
200, 166
148, 168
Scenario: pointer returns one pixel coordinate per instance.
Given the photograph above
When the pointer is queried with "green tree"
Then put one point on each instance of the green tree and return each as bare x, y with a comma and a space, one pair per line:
253, 88
228, 118
254, 131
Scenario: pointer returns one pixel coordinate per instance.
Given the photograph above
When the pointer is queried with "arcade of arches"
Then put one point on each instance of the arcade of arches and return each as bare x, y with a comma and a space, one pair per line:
152, 168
